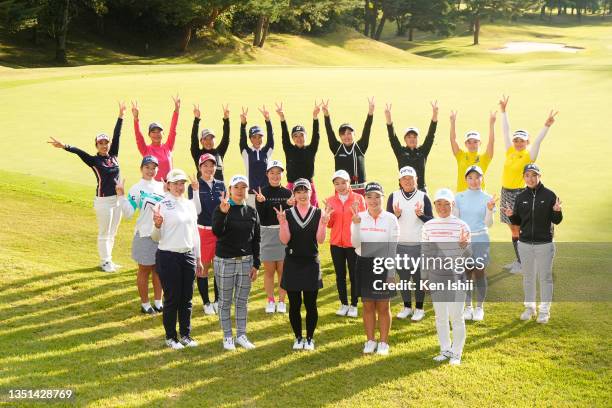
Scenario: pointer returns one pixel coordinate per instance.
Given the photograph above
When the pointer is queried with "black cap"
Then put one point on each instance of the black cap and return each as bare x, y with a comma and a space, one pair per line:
532, 167
255, 130
298, 129
374, 187
149, 159
346, 126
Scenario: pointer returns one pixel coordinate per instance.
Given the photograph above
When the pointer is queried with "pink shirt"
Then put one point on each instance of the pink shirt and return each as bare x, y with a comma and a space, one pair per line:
163, 152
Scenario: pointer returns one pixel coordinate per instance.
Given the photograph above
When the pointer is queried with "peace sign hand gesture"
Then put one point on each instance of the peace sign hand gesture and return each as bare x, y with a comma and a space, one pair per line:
325, 107
195, 184
397, 210
503, 102
121, 109
291, 200
224, 205
120, 187
56, 143
264, 112
243, 115
280, 215
557, 206
464, 237
491, 202
158, 219
279, 110
453, 116
418, 209
371, 106
316, 110
434, 110
355, 211
177, 103
388, 113
551, 118
135, 109
492, 117
226, 111
326, 214
258, 196
196, 111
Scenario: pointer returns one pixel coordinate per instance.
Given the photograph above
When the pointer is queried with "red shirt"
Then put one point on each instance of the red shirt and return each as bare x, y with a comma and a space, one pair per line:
342, 217
163, 152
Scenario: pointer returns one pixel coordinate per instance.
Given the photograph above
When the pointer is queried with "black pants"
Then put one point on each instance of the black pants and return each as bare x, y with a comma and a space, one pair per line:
203, 289
341, 257
414, 252
177, 273
295, 315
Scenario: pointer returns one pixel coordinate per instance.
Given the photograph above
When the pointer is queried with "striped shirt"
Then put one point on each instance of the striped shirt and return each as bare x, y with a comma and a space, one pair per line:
444, 231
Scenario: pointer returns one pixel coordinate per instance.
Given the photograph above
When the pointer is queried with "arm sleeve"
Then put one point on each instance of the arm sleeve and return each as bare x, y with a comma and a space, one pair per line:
355, 235
243, 138
140, 142
556, 216
225, 139
506, 130
316, 137
84, 156
269, 137
196, 199
114, 150
429, 139
515, 218
285, 136
195, 143
535, 147
334, 144
196, 237
218, 222
130, 203
172, 133
427, 210
488, 220
256, 242
395, 143
364, 141
390, 203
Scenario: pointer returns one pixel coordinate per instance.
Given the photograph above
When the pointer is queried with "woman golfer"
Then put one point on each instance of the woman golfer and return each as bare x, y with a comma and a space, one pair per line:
206, 143
105, 166
178, 257
341, 248
517, 157
302, 229
162, 151
412, 154
476, 208
236, 261
144, 196
375, 233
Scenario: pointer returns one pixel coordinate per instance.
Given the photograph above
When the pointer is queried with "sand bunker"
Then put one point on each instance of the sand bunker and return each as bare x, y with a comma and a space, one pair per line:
520, 47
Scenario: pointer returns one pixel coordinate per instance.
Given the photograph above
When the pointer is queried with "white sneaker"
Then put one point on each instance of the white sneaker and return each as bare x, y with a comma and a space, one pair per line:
116, 266
404, 313
444, 355
209, 309
528, 314
342, 311
173, 344
228, 343
455, 360
309, 345
369, 347
352, 311
383, 349
244, 342
271, 307
298, 344
108, 267
543, 317
478, 314
468, 313
188, 341
516, 268
216, 307
510, 265
418, 315
281, 307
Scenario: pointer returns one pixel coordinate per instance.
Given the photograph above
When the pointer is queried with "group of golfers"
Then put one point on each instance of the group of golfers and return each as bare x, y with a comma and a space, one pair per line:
191, 227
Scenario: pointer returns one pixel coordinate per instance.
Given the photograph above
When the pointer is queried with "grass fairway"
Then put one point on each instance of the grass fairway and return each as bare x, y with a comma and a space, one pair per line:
64, 324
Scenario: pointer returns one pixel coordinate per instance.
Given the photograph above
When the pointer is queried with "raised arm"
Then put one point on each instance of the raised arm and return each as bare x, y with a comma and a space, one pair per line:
195, 142
243, 136
364, 141
431, 132
396, 146
114, 149
225, 139
87, 159
453, 133
286, 140
503, 103
334, 144
130, 203
173, 123
316, 136
491, 142
140, 142
535, 147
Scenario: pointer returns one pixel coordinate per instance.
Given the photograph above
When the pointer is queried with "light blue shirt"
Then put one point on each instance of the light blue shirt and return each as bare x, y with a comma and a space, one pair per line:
472, 206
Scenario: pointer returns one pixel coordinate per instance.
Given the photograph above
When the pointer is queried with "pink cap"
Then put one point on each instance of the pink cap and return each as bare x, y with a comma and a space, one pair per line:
205, 157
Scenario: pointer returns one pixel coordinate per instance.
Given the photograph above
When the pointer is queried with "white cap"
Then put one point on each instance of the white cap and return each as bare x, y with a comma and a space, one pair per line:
407, 171
343, 174
102, 136
275, 163
444, 194
411, 129
176, 175
239, 178
521, 134
472, 134
477, 169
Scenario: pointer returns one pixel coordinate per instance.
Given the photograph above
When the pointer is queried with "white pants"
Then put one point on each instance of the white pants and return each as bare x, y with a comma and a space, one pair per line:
453, 312
537, 262
108, 213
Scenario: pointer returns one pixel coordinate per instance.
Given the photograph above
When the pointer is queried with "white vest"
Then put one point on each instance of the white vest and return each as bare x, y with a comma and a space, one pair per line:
410, 225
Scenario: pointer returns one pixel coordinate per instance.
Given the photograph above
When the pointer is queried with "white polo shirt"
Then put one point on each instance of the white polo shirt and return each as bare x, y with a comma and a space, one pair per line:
179, 231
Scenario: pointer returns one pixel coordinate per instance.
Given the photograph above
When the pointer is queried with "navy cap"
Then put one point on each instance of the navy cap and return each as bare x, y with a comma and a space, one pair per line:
532, 167
477, 169
346, 126
255, 130
149, 159
155, 125
298, 129
374, 187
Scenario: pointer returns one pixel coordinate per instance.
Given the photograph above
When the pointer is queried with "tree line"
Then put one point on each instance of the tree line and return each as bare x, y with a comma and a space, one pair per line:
181, 20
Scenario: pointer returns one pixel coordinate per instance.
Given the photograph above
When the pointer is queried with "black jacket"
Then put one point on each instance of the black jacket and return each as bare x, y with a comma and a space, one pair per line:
415, 158
238, 232
352, 160
218, 152
300, 160
533, 212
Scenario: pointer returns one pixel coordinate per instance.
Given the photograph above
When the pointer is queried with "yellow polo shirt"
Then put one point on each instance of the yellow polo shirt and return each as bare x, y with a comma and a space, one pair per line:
467, 159
516, 161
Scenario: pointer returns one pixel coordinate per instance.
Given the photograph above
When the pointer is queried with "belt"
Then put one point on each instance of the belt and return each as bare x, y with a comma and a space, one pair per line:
360, 185
241, 258
271, 226
481, 232
205, 227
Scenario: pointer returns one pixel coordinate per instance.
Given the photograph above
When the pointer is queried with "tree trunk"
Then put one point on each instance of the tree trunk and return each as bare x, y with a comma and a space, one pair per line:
258, 31
366, 18
264, 34
187, 32
543, 12
559, 8
373, 18
381, 25
476, 29
458, 5
60, 36
411, 33
34, 31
